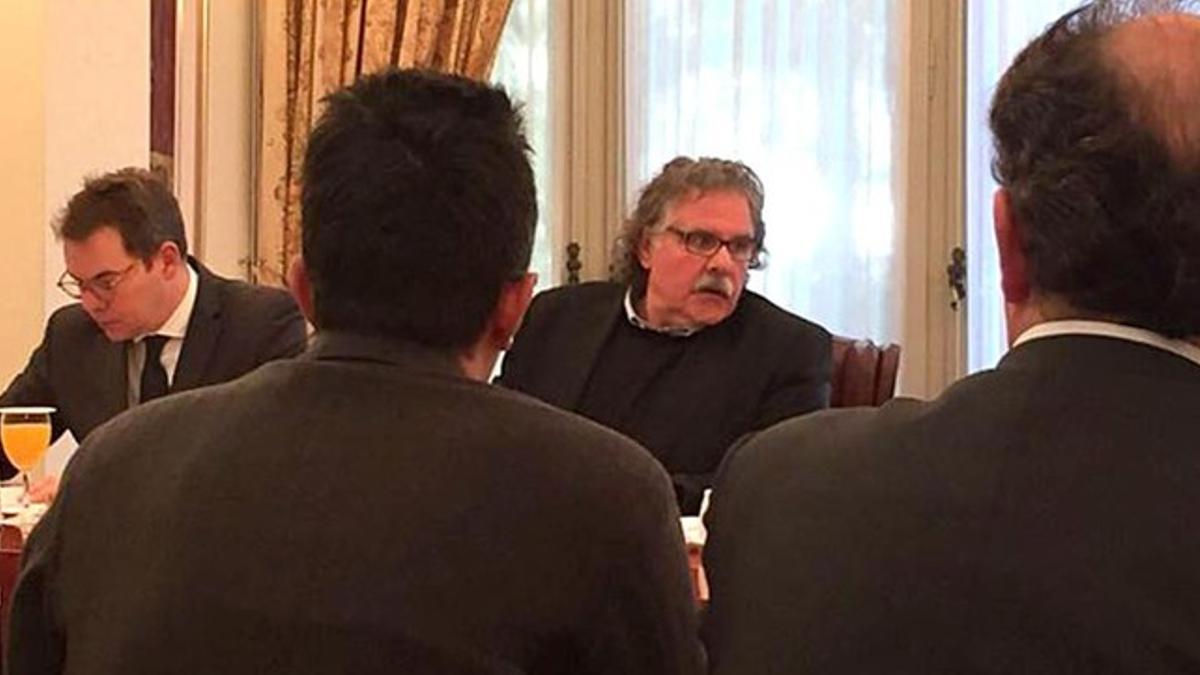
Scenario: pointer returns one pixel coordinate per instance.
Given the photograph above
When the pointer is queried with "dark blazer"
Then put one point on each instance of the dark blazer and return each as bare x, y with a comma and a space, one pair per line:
234, 328
1037, 518
771, 366
363, 508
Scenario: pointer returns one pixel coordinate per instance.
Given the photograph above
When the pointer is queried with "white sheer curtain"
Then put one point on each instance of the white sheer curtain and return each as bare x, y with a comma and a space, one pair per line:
523, 68
805, 93
997, 30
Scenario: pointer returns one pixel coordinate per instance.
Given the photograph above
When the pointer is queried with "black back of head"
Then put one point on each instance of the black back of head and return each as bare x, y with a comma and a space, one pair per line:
418, 204
131, 200
1106, 195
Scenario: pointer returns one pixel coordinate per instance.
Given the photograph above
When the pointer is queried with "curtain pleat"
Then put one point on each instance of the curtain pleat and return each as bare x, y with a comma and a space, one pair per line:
312, 48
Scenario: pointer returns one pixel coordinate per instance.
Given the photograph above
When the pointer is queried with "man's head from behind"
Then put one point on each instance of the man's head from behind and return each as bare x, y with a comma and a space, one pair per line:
418, 213
687, 247
125, 250
1098, 157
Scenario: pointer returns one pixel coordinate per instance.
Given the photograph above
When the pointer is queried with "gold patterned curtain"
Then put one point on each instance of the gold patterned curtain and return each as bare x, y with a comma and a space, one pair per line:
313, 47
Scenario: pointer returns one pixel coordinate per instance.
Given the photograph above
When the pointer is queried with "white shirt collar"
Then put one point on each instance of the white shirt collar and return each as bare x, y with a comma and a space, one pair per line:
176, 325
1182, 348
639, 322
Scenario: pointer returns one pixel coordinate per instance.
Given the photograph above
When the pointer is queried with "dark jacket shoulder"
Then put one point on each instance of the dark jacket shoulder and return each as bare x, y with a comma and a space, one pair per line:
574, 298
757, 310
759, 307
263, 321
71, 321
249, 299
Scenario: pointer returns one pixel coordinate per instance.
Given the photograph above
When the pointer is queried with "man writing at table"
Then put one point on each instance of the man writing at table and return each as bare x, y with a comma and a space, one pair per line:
150, 319
373, 506
1039, 517
677, 353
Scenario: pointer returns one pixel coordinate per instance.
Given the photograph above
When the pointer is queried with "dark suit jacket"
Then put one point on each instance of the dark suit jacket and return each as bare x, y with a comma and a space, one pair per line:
360, 509
773, 365
1038, 518
234, 328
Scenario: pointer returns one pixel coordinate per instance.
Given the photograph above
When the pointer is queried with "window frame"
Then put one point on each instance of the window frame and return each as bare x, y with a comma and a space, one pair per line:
588, 52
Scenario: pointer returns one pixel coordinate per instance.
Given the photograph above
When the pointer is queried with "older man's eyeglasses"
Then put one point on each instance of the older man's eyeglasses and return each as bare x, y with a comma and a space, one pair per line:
102, 285
705, 243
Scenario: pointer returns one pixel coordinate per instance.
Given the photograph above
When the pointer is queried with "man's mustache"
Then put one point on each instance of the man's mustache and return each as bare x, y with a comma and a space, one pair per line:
715, 283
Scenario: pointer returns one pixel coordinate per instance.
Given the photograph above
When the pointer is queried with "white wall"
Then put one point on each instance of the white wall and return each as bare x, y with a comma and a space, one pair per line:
97, 116
78, 77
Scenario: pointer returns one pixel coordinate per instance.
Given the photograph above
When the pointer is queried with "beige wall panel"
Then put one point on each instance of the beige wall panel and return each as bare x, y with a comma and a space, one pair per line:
230, 118
22, 37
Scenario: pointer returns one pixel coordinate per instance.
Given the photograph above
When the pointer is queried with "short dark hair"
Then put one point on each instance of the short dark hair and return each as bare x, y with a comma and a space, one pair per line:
1109, 205
684, 177
418, 204
131, 200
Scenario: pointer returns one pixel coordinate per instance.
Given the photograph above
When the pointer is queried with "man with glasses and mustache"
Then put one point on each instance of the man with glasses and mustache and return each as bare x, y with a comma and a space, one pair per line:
150, 319
675, 352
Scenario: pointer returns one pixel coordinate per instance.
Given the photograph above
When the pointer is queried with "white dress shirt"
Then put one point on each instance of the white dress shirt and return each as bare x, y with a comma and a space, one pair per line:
637, 320
174, 328
1182, 348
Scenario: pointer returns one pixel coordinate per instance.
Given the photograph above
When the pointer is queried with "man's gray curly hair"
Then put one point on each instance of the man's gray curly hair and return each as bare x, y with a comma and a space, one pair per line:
683, 177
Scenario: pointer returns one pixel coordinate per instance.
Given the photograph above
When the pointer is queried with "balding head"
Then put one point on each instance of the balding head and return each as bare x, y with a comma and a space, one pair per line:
1098, 151
1156, 60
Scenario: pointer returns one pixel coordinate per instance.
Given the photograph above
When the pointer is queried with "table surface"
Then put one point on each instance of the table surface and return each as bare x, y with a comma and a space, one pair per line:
10, 563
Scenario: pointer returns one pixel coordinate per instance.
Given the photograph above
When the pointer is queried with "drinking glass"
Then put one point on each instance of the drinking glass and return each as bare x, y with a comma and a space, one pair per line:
25, 433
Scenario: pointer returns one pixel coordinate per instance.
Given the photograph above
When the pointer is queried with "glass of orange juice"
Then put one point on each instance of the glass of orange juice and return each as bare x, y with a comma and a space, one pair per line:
25, 434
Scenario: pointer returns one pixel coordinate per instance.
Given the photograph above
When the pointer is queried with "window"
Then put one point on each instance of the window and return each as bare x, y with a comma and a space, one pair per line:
996, 31
805, 93
523, 68
866, 120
